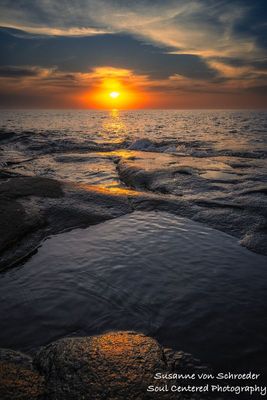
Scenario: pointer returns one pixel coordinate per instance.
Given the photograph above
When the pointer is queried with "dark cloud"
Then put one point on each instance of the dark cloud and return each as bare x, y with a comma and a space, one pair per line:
253, 24
79, 54
18, 72
260, 64
211, 45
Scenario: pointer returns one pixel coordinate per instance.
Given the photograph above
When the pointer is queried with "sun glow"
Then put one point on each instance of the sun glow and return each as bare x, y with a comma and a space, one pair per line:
114, 95
115, 88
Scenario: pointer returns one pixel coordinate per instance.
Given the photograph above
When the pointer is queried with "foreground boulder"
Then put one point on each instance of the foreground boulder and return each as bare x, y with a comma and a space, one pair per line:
113, 366
18, 379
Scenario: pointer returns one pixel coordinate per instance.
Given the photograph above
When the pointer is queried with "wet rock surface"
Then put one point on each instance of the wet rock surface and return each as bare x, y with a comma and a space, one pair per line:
113, 366
31, 208
209, 166
34, 207
216, 191
49, 184
16, 220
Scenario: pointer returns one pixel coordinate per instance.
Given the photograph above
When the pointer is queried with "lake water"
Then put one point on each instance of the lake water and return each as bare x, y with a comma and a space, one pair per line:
192, 287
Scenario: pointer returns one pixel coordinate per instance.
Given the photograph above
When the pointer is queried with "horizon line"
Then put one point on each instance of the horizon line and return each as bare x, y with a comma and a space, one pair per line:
130, 109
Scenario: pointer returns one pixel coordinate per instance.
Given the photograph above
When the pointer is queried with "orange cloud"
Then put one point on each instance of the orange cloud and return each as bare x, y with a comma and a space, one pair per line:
49, 87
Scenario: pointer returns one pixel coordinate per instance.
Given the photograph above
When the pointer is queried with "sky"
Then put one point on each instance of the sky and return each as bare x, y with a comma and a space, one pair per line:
153, 53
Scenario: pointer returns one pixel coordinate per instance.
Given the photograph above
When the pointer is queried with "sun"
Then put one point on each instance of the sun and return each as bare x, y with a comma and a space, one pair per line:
114, 95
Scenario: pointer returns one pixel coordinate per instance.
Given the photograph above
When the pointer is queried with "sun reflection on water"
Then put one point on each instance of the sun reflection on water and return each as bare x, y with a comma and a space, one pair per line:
114, 126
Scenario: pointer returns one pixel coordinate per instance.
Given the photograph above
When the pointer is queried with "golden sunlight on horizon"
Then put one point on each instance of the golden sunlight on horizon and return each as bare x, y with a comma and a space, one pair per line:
123, 99
115, 88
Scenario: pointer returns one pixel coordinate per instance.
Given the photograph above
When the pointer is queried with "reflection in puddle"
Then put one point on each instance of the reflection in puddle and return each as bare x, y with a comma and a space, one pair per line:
192, 287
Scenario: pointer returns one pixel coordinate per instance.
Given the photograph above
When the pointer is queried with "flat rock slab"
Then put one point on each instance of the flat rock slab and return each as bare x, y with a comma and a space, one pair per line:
112, 366
32, 208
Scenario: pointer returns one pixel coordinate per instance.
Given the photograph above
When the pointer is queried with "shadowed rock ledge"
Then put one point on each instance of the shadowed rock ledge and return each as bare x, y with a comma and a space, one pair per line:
32, 208
113, 366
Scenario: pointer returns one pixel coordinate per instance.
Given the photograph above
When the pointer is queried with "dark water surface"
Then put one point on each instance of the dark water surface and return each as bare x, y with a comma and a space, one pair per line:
190, 286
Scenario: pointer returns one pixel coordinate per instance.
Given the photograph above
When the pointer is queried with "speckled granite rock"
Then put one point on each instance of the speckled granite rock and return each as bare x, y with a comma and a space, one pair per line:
18, 379
112, 366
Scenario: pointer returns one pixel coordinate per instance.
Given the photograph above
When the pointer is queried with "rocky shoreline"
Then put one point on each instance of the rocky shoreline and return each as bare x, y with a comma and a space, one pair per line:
31, 208
113, 366
34, 207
